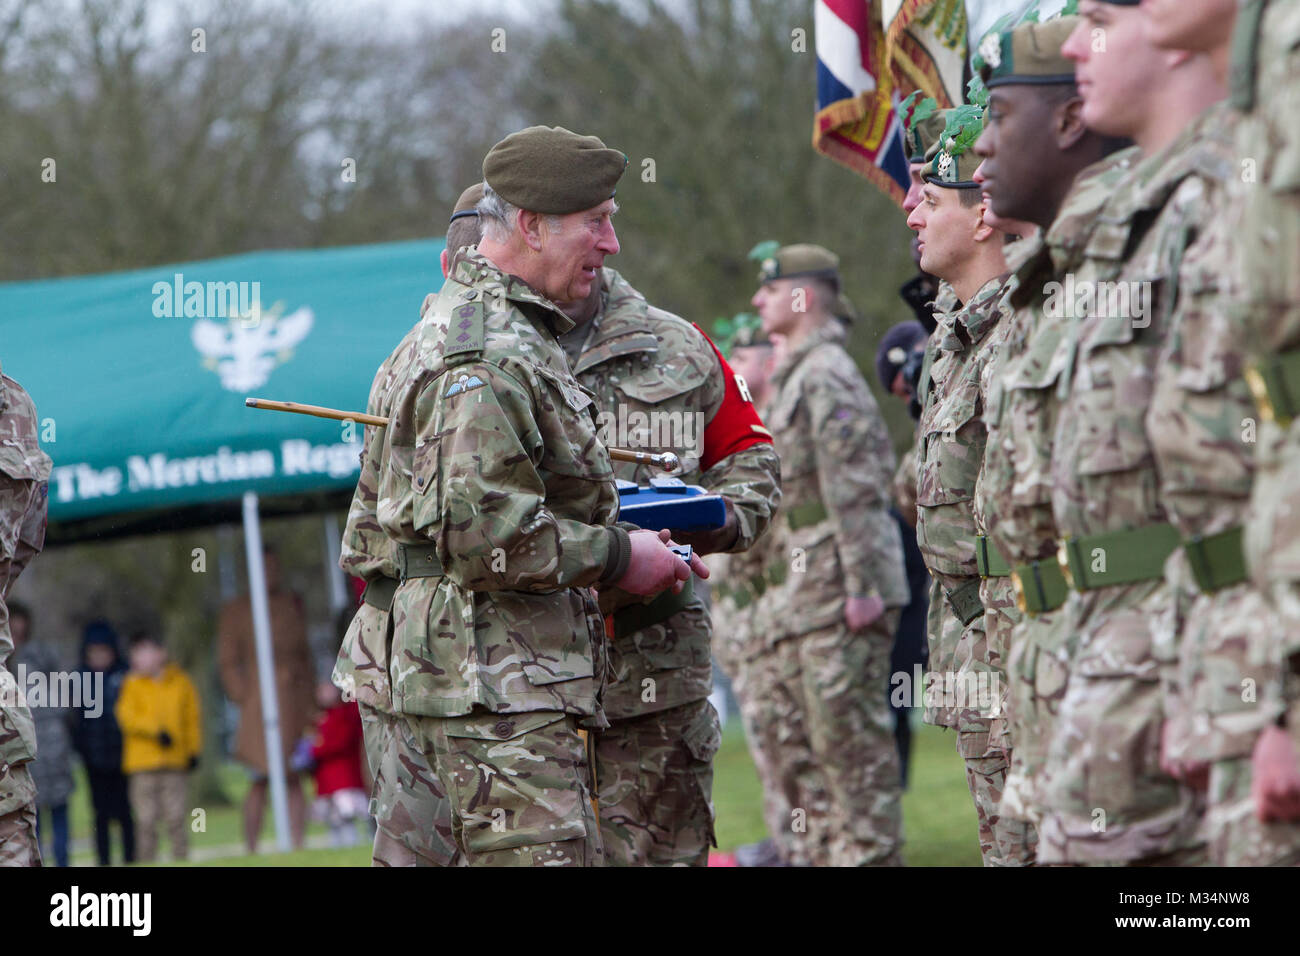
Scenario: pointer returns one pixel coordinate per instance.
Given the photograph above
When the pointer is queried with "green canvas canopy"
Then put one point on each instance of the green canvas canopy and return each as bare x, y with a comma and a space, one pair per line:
139, 379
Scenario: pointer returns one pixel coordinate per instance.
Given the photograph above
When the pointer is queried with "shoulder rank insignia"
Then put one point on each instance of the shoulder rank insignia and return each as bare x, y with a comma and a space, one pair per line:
463, 383
465, 329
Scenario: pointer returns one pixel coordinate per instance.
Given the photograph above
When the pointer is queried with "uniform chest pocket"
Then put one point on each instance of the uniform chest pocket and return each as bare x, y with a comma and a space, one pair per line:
654, 383
1111, 394
954, 449
571, 444
1205, 345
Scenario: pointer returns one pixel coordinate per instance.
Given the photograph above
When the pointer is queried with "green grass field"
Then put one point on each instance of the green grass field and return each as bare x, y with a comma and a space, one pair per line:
938, 818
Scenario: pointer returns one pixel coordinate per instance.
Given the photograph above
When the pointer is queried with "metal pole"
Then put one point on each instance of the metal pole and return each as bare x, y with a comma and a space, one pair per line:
266, 671
333, 576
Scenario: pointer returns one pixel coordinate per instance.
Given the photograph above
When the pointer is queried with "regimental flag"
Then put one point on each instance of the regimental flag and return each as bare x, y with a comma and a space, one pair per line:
856, 123
926, 40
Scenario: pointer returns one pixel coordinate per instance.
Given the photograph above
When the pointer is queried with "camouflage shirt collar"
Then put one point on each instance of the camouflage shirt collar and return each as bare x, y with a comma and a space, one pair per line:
978, 316
831, 331
471, 268
622, 310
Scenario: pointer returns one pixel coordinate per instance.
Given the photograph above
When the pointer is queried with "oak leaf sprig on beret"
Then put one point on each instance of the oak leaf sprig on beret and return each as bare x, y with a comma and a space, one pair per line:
964, 127
727, 330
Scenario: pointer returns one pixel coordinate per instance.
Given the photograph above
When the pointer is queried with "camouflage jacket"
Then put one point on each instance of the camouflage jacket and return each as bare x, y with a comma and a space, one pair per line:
24, 473
658, 384
838, 538
951, 446
492, 456
1104, 476
1103, 470
362, 666
1015, 487
903, 486
1267, 245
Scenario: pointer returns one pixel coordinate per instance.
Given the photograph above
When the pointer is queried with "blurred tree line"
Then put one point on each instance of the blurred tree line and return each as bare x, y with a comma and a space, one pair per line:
134, 134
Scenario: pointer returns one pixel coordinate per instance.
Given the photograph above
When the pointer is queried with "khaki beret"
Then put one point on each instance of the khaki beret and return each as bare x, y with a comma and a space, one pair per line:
467, 203
1030, 53
550, 170
802, 259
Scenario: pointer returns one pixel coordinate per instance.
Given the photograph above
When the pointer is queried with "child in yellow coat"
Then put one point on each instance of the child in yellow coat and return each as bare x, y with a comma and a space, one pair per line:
158, 711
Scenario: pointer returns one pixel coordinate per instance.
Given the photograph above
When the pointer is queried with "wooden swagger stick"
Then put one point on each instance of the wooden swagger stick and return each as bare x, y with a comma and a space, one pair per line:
666, 460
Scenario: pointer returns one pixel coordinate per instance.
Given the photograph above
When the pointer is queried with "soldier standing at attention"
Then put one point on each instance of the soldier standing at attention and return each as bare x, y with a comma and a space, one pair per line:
745, 624
501, 499
958, 247
24, 472
654, 763
409, 803
1202, 424
837, 583
1105, 797
1040, 164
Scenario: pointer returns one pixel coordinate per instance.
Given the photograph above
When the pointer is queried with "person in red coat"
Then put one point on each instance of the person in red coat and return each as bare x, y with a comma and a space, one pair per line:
335, 755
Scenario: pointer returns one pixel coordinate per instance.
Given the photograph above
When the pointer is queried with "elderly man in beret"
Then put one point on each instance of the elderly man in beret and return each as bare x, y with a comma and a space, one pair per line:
406, 807
500, 499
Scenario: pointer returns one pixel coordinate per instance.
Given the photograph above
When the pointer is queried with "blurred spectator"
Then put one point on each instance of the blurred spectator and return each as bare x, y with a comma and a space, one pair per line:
158, 711
898, 364
52, 768
335, 755
294, 680
98, 740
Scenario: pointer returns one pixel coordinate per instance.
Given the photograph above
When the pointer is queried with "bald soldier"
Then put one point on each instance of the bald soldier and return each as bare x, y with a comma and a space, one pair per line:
958, 246
1039, 164
837, 580
1237, 653
24, 473
1105, 797
500, 496
408, 803
654, 763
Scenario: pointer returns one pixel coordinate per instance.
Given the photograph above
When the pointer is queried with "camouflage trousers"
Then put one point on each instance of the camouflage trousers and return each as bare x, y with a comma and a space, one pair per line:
830, 734
1038, 668
410, 807
1004, 839
753, 681
18, 846
944, 632
654, 777
518, 787
1105, 797
1236, 836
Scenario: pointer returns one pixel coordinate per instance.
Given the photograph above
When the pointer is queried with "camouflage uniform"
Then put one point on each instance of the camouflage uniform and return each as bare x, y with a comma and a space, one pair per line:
1266, 87
654, 763
951, 453
407, 801
828, 725
501, 499
24, 471
1014, 489
1106, 797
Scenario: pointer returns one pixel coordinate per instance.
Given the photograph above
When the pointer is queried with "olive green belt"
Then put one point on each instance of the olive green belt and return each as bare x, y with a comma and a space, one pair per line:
379, 592
965, 600
640, 616
1217, 560
1117, 557
1040, 586
988, 559
805, 515
418, 561
1275, 385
